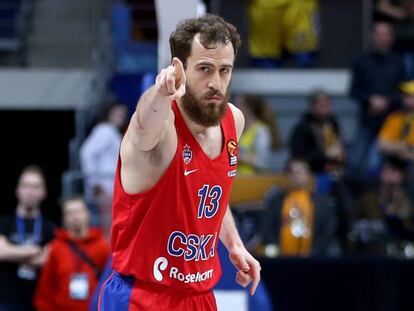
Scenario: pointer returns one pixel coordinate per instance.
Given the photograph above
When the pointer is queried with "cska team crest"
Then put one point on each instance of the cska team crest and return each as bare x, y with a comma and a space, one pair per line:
187, 154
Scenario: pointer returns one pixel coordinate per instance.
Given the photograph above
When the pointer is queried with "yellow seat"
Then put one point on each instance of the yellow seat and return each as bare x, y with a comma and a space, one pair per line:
251, 189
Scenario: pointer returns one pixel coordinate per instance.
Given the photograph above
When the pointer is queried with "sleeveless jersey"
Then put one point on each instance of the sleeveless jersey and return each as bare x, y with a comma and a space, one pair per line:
168, 235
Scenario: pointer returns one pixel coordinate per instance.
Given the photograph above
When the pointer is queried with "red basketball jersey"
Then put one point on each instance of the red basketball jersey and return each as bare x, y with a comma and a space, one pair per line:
168, 234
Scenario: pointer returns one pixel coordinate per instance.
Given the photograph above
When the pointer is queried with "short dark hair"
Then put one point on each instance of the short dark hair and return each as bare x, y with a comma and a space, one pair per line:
34, 169
294, 160
108, 107
212, 29
76, 197
316, 94
257, 105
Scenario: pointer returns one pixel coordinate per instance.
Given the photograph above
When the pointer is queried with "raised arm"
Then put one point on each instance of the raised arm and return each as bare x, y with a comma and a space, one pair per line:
154, 107
150, 141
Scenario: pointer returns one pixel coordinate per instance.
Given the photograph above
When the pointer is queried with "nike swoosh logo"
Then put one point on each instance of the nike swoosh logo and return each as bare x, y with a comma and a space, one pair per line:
186, 173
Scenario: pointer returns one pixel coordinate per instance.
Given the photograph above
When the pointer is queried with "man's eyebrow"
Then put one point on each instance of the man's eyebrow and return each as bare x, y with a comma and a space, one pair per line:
207, 63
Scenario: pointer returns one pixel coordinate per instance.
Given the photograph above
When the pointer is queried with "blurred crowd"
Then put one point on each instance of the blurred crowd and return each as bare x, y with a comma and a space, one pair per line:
342, 198
42, 268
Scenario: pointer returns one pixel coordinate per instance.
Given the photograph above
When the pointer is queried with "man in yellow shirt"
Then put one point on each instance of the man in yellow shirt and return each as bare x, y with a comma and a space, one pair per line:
396, 137
297, 221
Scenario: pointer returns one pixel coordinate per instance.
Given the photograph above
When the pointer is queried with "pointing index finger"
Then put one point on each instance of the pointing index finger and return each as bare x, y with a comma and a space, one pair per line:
178, 71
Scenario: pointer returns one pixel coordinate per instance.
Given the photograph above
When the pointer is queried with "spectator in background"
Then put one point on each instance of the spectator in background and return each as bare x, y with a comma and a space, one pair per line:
396, 138
279, 26
260, 137
77, 256
375, 79
401, 14
317, 138
99, 156
297, 221
384, 214
23, 242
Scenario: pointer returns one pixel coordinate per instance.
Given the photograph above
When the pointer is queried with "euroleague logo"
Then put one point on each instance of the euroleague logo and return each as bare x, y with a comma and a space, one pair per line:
232, 151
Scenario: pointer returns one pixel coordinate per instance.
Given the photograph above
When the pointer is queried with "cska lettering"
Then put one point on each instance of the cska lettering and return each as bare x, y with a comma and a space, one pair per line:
191, 247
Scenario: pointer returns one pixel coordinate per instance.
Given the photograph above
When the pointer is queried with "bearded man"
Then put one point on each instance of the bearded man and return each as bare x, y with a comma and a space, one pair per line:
177, 163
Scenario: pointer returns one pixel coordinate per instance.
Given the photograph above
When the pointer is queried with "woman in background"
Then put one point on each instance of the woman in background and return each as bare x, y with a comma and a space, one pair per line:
260, 137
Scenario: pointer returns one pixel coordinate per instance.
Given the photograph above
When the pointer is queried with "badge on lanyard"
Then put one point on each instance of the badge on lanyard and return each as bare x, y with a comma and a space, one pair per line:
79, 286
27, 272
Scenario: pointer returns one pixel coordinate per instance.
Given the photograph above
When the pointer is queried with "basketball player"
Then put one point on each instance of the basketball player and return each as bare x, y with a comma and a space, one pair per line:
177, 163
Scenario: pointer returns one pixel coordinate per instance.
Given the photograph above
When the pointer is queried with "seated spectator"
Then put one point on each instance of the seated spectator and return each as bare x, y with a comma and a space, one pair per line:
260, 136
99, 156
24, 237
396, 137
384, 214
297, 221
77, 256
280, 27
317, 137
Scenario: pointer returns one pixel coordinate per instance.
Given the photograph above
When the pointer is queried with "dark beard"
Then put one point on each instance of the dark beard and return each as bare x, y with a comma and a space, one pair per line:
208, 114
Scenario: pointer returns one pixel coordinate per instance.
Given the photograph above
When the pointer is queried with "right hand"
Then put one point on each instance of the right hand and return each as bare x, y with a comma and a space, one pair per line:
171, 80
31, 250
40, 258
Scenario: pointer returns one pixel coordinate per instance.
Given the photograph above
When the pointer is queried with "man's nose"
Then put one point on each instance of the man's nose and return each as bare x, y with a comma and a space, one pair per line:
215, 82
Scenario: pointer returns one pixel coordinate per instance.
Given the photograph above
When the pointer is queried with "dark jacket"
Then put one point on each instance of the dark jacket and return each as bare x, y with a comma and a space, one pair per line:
306, 144
14, 290
325, 240
375, 73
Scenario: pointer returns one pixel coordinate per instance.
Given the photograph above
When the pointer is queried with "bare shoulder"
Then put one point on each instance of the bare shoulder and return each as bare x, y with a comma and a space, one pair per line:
238, 119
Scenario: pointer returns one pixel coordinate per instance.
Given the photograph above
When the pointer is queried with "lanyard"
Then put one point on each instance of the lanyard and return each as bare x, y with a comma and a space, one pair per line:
21, 229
